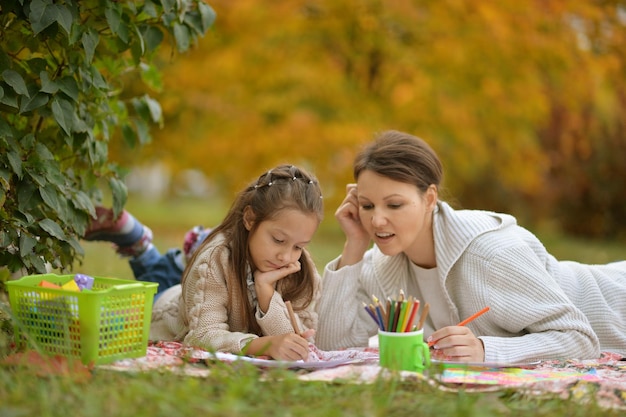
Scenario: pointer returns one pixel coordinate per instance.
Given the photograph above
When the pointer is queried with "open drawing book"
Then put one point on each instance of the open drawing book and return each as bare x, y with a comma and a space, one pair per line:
270, 363
318, 359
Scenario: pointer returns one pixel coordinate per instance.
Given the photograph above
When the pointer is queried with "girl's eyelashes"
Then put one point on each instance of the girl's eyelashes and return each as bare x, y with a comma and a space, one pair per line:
280, 242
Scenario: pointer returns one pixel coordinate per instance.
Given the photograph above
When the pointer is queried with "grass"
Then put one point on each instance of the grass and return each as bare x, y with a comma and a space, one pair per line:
245, 390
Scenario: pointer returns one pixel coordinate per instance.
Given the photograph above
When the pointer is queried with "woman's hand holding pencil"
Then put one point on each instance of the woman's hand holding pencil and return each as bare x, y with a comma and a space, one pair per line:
458, 343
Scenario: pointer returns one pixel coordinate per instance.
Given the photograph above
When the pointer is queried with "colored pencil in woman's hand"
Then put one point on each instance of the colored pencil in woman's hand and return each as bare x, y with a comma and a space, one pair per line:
467, 320
473, 316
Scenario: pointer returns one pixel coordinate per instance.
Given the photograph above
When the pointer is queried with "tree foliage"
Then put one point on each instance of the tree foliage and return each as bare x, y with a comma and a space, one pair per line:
524, 101
63, 98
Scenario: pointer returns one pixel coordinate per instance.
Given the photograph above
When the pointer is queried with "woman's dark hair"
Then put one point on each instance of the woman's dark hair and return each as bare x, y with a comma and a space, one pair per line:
400, 157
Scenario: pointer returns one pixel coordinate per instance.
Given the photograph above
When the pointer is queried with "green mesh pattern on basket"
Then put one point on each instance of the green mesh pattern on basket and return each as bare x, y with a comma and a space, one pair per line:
101, 325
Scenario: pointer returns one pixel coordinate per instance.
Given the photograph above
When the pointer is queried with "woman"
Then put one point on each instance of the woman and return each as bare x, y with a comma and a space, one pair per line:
460, 261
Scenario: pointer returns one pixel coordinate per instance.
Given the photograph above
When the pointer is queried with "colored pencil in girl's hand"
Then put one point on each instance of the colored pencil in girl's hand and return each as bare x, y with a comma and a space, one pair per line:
292, 317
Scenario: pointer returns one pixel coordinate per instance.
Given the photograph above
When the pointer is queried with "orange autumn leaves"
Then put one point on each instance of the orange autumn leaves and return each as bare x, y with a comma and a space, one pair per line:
522, 100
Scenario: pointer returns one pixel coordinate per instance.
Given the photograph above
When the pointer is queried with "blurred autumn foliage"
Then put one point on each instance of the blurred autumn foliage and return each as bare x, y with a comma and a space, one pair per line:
525, 101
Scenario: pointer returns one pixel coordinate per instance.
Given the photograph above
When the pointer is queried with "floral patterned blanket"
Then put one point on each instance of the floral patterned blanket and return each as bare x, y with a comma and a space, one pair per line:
602, 379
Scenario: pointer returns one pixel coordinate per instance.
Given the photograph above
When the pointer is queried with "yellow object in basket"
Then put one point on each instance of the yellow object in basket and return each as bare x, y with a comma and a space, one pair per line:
70, 285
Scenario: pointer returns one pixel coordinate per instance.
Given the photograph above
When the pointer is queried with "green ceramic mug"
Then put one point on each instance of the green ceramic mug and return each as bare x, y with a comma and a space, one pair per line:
403, 351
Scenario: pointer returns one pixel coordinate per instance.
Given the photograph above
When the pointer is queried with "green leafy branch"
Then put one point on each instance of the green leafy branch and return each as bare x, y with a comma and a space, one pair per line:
68, 72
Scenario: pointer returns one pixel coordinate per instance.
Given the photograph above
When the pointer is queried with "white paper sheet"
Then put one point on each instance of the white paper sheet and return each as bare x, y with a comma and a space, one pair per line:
268, 363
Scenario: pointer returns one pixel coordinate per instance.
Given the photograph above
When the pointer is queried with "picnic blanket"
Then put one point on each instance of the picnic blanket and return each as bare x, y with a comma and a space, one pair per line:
602, 380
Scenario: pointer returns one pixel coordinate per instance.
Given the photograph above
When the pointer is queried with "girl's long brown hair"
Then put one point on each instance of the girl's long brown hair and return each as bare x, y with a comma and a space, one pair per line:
282, 187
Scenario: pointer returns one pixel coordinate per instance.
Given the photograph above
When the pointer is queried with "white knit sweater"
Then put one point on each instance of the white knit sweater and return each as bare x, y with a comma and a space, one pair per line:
540, 308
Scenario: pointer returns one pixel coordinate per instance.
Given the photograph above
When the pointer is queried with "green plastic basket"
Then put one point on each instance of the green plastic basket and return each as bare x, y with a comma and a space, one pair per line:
107, 323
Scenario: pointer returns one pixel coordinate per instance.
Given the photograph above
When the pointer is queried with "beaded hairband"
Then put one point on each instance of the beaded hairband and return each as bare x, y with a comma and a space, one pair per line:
269, 184
294, 178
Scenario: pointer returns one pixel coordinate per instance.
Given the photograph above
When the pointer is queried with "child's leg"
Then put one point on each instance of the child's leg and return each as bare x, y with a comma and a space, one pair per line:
134, 240
166, 270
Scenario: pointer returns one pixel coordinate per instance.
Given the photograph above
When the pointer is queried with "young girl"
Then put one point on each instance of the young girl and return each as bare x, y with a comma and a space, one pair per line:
460, 261
233, 291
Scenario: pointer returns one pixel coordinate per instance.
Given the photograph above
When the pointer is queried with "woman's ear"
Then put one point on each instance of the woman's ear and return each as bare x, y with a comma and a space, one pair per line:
248, 218
431, 195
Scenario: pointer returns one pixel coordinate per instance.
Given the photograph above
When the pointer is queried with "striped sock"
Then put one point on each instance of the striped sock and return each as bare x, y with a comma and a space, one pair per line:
123, 231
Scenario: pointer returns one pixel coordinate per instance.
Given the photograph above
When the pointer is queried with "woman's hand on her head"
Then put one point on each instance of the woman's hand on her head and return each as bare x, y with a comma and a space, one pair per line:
457, 343
348, 216
357, 238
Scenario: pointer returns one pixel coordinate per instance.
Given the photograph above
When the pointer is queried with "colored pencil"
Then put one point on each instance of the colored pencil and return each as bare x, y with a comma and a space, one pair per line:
473, 316
392, 313
372, 314
292, 317
398, 327
414, 307
388, 313
383, 312
407, 314
420, 324
379, 314
396, 316
467, 320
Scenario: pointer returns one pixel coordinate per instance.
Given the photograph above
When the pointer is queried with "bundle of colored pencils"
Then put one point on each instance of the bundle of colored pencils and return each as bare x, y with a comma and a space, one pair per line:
396, 315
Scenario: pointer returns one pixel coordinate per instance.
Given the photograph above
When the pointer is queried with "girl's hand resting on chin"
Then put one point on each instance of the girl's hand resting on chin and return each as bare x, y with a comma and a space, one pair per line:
265, 282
